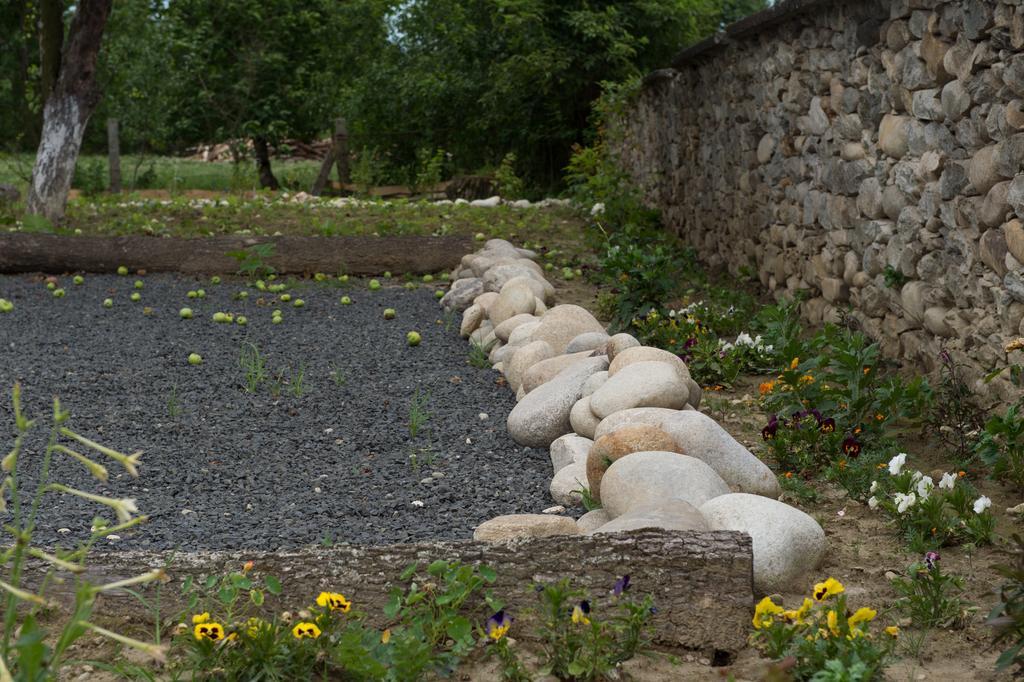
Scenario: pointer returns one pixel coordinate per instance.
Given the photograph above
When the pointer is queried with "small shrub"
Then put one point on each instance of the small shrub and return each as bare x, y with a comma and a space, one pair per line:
822, 636
954, 417
252, 261
418, 414
1001, 446
585, 639
928, 596
506, 181
429, 169
1007, 617
89, 177
894, 279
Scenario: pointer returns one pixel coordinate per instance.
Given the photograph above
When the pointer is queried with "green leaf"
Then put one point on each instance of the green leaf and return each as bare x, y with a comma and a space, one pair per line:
256, 596
393, 605
437, 568
241, 582
227, 594
211, 581
409, 572
186, 586
488, 574
460, 628
273, 585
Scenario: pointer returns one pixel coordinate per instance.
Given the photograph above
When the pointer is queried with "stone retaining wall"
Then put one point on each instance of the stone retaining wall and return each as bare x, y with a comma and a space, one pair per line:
869, 151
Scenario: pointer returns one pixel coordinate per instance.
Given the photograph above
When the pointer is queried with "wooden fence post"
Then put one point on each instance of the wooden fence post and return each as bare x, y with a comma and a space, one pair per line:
114, 152
341, 150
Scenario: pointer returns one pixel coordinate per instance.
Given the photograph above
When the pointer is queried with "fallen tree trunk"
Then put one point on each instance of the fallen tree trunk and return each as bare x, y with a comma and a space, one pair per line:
701, 582
25, 252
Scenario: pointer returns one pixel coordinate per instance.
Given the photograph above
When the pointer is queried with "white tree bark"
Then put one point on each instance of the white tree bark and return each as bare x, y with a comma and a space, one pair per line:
54, 169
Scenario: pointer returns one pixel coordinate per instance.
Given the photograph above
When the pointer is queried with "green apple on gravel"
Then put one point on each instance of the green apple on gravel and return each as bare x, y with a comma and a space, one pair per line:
136, 296
78, 279
185, 313
122, 270
6, 306
345, 300
374, 285
195, 359
413, 338
108, 303
389, 313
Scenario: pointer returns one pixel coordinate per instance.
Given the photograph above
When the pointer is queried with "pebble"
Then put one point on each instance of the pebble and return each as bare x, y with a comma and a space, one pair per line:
417, 503
483, 416
557, 509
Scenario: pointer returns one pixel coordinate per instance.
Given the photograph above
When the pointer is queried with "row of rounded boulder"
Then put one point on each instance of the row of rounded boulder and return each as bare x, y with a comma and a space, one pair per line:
622, 424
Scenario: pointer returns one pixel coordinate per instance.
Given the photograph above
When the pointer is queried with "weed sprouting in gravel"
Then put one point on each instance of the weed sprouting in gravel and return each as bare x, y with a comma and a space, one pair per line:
297, 384
173, 404
254, 367
418, 414
337, 375
479, 355
252, 261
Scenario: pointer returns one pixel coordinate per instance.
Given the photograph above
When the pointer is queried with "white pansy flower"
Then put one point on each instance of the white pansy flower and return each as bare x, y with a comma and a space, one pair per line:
873, 502
896, 464
916, 476
874, 486
925, 487
948, 481
743, 339
981, 504
904, 502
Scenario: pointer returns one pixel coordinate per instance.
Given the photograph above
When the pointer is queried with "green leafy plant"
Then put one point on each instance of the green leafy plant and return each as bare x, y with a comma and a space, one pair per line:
27, 650
585, 639
173, 403
1007, 617
89, 177
297, 383
338, 375
822, 637
928, 513
479, 354
928, 596
430, 166
587, 499
252, 260
1001, 446
894, 279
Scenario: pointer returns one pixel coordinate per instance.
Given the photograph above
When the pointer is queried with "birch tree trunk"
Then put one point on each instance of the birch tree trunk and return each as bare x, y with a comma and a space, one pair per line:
67, 111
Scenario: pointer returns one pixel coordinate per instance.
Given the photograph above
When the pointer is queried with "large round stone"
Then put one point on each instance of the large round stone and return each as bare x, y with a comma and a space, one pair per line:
644, 479
567, 483
787, 542
462, 293
568, 449
523, 359
594, 383
614, 446
582, 419
543, 414
636, 354
523, 334
592, 520
640, 384
618, 343
563, 323
515, 299
512, 526
587, 341
471, 319
505, 329
546, 370
669, 514
485, 301
700, 436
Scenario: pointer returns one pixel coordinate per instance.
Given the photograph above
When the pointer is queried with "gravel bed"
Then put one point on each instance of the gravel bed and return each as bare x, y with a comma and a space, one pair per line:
238, 470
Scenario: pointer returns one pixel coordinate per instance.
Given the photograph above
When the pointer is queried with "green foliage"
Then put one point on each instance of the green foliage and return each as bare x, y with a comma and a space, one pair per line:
252, 260
585, 639
929, 597
89, 177
1007, 616
479, 354
507, 181
955, 418
429, 169
822, 638
1001, 446
28, 651
894, 279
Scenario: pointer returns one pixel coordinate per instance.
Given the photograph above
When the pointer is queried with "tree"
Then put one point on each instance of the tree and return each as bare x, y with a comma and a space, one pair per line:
481, 78
67, 110
258, 70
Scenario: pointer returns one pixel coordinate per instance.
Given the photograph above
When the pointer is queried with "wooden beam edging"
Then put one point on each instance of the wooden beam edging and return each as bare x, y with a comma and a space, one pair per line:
356, 255
702, 582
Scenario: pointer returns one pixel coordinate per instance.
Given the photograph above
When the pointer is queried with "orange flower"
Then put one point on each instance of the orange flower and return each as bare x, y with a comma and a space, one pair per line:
766, 387
961, 474
867, 369
795, 363
247, 566
789, 474
880, 417
842, 464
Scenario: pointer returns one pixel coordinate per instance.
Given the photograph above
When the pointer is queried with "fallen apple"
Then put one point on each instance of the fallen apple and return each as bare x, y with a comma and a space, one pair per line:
185, 313
387, 274
374, 285
439, 294
286, 297
241, 320
78, 279
413, 338
410, 285
389, 313
122, 270
58, 293
319, 276
343, 279
136, 296
220, 318
200, 293
195, 359
345, 300
298, 303
6, 306
215, 280
428, 278
108, 303
139, 284
192, 294
51, 285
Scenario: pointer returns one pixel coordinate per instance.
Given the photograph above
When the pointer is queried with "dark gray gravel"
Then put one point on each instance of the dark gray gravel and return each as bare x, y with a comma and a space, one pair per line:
238, 470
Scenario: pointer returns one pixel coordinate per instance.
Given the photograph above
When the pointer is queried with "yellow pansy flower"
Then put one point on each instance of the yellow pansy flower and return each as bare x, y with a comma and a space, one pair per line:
201, 618
210, 631
765, 612
305, 630
833, 622
335, 601
829, 588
